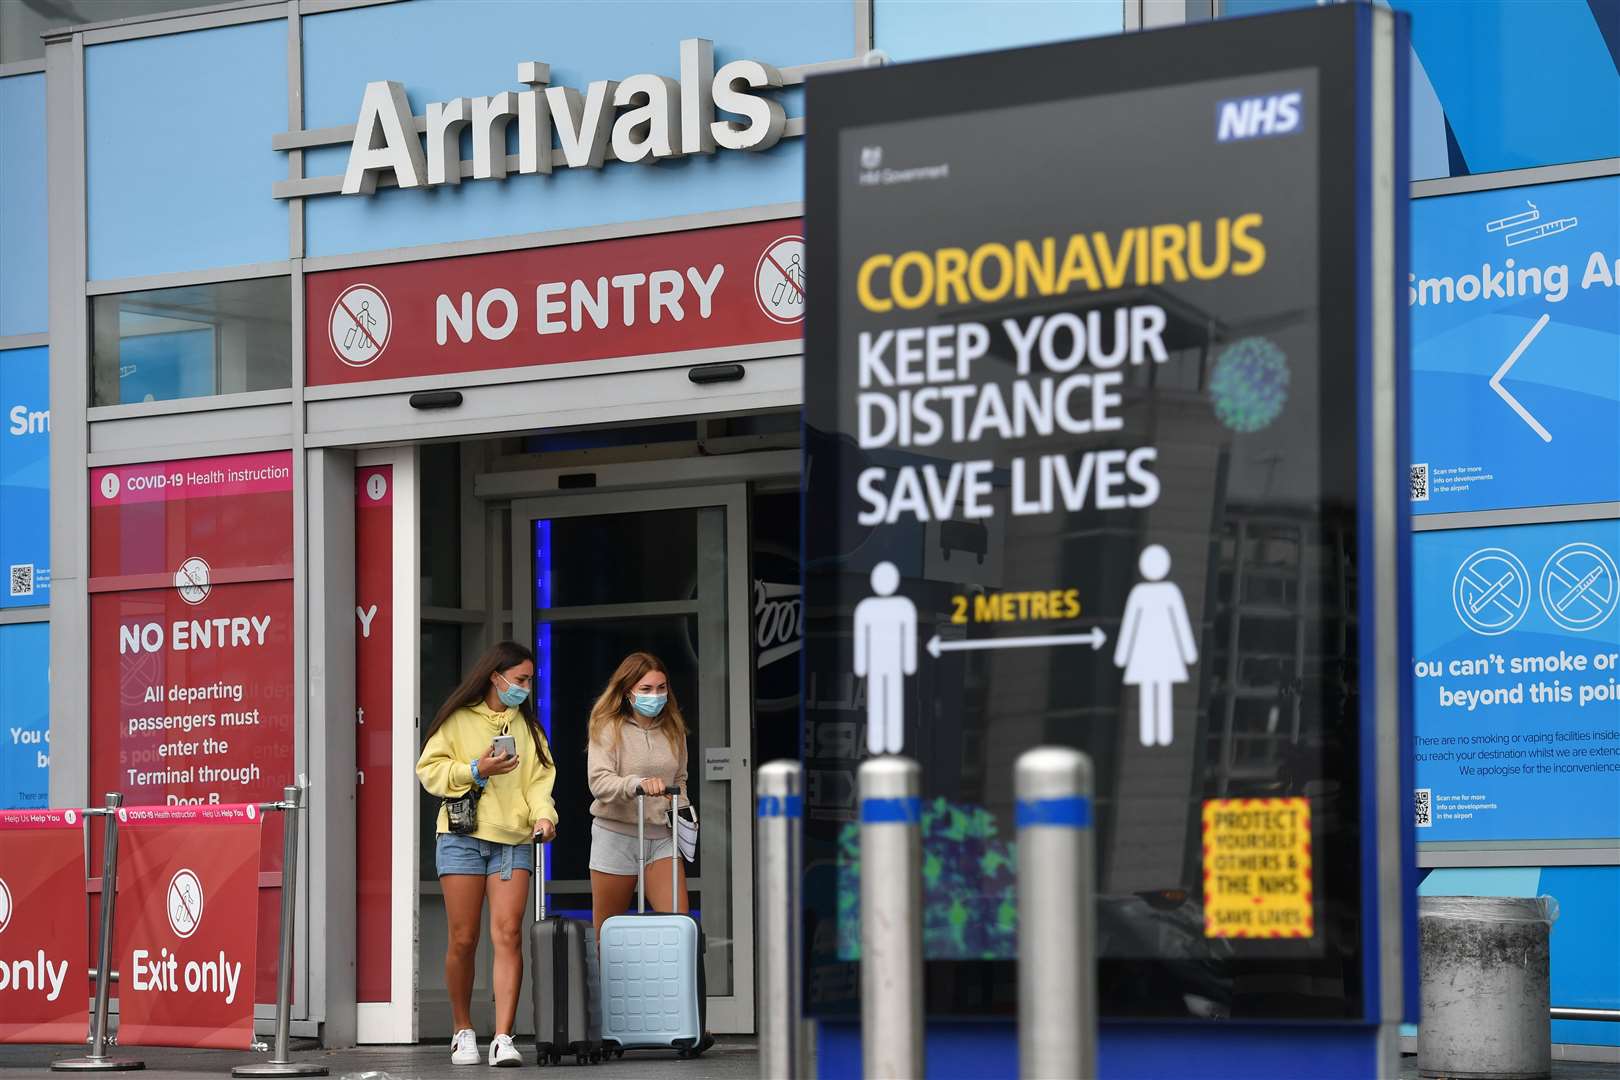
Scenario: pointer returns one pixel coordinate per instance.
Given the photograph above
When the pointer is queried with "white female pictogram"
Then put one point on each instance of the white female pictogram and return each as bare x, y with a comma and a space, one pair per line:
1155, 644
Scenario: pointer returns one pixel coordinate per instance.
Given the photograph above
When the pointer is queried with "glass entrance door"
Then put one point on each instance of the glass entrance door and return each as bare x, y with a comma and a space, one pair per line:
600, 575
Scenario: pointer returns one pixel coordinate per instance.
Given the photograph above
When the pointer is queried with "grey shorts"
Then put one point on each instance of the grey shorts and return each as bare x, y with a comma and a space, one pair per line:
615, 853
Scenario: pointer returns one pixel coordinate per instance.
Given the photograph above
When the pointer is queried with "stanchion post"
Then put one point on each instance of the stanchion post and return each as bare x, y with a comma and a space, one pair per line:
778, 822
280, 1064
1057, 916
891, 920
98, 1061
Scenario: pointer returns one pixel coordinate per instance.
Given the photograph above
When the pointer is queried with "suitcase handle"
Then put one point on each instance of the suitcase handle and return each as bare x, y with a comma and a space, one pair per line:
540, 881
641, 854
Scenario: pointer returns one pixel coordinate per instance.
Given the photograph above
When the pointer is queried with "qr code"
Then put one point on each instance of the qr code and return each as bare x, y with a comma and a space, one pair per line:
1420, 483
22, 579
1423, 807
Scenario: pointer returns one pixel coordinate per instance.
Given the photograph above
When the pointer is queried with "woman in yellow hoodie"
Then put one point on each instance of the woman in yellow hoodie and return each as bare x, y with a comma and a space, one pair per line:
514, 809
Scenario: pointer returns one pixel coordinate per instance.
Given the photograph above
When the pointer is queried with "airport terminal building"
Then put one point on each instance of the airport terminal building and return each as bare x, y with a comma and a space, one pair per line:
342, 338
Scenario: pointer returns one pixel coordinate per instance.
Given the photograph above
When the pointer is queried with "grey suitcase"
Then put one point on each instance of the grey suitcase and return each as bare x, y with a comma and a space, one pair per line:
653, 994
562, 982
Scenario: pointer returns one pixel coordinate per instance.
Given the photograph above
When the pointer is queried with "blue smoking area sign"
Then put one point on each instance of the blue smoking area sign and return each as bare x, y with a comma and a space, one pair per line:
1515, 385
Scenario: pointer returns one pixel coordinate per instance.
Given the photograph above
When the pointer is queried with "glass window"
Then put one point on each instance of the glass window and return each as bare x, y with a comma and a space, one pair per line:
21, 24
227, 337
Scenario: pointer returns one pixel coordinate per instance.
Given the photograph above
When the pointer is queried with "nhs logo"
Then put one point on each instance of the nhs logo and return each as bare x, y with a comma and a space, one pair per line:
1258, 117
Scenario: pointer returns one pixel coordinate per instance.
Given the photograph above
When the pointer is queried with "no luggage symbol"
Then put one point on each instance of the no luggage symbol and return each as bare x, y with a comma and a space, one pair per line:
185, 902
360, 323
779, 280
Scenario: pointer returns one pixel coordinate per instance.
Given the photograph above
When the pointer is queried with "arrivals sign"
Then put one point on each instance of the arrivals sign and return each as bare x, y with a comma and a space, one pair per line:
605, 300
44, 929
191, 630
187, 936
1084, 443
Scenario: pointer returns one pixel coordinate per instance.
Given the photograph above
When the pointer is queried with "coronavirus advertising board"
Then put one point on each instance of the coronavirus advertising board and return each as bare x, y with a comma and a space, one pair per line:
1515, 300
25, 725
1516, 682
1088, 458
191, 616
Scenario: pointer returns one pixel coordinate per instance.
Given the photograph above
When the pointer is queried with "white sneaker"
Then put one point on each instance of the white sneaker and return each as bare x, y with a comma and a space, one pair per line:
503, 1054
464, 1048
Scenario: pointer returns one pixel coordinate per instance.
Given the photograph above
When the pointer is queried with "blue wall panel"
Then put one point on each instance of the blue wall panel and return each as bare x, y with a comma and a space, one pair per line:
22, 206
1585, 948
908, 30
177, 147
25, 441
441, 49
1523, 82
24, 715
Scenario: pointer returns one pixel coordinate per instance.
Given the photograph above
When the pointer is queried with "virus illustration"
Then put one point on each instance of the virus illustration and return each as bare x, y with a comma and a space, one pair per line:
970, 901
1250, 384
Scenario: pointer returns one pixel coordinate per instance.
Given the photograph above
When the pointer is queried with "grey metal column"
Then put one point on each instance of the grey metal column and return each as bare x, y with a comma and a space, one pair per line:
891, 920
280, 1064
98, 1061
780, 807
1057, 916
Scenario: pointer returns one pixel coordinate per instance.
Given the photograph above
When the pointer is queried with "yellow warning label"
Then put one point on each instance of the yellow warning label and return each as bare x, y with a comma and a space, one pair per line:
1258, 881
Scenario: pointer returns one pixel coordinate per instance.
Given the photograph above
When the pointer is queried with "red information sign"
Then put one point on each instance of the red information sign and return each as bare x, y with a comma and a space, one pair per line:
191, 606
44, 940
374, 726
187, 939
636, 296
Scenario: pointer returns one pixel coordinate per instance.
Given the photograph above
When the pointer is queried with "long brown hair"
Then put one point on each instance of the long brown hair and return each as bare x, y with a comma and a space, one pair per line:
502, 656
612, 709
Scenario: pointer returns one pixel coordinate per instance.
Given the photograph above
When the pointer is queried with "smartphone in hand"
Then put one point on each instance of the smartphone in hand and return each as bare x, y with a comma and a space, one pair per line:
505, 744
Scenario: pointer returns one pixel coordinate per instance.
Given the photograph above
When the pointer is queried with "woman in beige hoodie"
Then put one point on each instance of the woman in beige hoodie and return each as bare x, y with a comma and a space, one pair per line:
638, 740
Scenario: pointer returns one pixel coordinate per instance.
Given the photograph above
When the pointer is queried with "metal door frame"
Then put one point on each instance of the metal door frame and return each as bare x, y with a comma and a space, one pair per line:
733, 1012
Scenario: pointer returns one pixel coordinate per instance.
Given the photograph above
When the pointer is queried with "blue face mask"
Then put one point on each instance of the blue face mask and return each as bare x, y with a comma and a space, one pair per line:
649, 704
512, 696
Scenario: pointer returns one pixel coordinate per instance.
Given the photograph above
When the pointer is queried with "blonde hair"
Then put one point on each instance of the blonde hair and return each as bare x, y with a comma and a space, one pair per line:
612, 708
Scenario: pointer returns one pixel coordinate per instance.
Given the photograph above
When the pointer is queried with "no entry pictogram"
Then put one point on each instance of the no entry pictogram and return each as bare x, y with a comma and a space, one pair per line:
779, 280
360, 324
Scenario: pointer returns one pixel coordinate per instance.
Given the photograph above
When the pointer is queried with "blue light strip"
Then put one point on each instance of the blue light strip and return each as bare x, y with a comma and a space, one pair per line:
1068, 812
542, 640
891, 811
772, 806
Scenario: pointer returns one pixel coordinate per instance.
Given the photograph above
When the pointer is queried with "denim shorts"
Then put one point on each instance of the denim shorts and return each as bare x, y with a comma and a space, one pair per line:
615, 853
469, 855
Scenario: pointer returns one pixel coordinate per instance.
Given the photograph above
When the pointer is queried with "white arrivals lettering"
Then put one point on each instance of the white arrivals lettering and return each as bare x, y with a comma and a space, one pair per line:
164, 974
644, 117
365, 616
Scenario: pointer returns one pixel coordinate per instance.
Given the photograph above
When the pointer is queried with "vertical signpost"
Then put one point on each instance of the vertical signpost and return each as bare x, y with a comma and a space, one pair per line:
1104, 451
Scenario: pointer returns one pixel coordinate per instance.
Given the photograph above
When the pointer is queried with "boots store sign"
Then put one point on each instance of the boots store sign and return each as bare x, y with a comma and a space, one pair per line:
609, 300
641, 118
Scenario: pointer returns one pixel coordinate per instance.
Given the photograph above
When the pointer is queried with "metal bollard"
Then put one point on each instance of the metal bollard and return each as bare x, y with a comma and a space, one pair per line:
98, 1061
1057, 916
280, 1064
780, 918
891, 920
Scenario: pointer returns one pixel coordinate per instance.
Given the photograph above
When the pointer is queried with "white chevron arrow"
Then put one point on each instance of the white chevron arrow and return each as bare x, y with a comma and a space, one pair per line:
1093, 637
1513, 402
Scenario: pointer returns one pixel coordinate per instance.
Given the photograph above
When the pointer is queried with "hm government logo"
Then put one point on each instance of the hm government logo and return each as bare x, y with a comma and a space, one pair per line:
1260, 117
871, 157
873, 174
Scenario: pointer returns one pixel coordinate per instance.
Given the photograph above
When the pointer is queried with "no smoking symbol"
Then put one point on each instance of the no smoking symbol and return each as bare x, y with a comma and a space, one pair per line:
360, 324
779, 280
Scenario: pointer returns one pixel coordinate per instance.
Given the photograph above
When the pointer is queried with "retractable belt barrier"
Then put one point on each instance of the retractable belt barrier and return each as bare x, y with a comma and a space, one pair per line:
185, 932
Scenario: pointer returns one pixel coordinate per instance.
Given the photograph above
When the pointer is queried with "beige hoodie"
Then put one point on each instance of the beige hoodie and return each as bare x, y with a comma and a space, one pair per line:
636, 754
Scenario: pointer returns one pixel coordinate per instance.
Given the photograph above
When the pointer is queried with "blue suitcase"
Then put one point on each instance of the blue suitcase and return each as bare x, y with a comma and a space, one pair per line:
651, 968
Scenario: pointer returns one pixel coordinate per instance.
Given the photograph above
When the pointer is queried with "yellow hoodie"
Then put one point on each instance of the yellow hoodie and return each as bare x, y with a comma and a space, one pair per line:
512, 803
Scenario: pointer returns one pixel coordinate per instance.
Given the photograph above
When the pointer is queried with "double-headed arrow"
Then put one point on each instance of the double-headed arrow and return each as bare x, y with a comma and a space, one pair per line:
1093, 637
